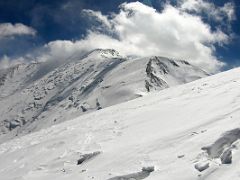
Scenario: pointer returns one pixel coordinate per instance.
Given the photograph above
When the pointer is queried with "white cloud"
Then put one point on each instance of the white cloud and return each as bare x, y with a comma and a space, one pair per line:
209, 9
6, 62
8, 29
229, 10
97, 15
140, 30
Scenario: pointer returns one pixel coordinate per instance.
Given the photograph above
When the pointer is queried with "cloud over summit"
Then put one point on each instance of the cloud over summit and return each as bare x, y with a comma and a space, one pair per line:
141, 30
178, 32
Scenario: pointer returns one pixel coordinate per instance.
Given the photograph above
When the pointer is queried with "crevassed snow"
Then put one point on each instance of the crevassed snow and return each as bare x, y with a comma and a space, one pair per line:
39, 95
169, 130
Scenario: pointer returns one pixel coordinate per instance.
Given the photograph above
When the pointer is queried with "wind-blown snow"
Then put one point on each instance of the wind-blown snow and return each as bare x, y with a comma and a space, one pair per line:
172, 130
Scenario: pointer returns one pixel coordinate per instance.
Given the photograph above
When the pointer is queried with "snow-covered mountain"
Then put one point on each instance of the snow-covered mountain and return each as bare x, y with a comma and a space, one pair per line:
37, 95
186, 132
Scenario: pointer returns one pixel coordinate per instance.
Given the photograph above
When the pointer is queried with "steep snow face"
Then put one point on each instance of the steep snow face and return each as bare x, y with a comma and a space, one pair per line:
187, 132
39, 97
15, 78
134, 78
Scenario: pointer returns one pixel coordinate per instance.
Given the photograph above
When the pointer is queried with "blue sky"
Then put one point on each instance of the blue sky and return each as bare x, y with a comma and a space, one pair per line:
63, 20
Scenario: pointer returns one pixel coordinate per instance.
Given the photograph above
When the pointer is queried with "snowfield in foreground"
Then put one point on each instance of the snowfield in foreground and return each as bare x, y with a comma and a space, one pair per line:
186, 132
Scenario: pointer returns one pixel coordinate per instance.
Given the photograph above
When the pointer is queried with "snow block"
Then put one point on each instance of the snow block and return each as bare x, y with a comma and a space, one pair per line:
201, 166
86, 157
148, 169
226, 157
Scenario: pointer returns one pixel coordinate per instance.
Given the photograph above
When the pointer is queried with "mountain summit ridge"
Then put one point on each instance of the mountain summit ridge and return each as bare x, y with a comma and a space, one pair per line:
35, 97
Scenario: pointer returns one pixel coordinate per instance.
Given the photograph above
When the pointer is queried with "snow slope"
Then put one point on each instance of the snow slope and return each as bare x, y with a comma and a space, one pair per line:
38, 95
172, 132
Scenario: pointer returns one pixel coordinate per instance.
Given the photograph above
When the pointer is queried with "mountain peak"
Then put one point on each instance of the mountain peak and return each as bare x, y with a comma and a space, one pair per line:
99, 79
105, 53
